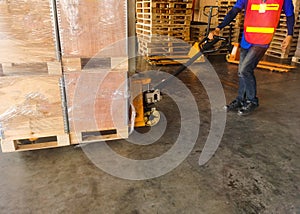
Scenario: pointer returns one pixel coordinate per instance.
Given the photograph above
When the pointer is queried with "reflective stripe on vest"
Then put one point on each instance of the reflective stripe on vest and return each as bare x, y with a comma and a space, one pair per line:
266, 7
260, 29
261, 20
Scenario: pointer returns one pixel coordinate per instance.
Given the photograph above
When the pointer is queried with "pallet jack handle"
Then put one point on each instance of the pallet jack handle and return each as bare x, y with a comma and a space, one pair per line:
209, 13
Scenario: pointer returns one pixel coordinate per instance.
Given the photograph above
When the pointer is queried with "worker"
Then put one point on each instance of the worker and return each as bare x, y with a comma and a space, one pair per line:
261, 20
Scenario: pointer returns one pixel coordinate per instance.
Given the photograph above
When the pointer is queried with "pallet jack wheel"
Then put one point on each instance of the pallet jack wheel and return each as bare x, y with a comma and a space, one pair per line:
227, 57
152, 117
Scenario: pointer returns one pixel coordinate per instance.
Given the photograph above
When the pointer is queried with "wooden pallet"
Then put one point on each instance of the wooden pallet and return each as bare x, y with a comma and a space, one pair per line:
38, 68
154, 16
163, 45
162, 27
163, 51
40, 142
165, 21
269, 66
278, 54
158, 38
237, 23
167, 18
98, 135
197, 31
235, 55
280, 35
163, 4
149, 38
226, 3
170, 60
80, 64
161, 41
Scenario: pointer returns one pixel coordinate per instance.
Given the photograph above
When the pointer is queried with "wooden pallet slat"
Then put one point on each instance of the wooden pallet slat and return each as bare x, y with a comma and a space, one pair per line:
26, 144
81, 137
102, 63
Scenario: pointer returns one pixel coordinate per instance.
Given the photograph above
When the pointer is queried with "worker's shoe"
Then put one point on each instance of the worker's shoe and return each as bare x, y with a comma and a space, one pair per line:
247, 108
235, 105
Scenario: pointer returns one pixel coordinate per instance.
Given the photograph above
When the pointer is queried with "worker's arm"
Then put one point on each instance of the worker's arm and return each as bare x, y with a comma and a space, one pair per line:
288, 8
228, 18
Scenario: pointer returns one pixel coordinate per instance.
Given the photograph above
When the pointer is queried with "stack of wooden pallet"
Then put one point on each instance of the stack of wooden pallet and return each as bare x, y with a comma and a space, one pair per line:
198, 31
237, 24
163, 26
296, 57
47, 103
280, 35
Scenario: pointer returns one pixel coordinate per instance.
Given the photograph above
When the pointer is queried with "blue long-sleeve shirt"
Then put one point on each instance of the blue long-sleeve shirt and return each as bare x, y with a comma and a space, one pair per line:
288, 9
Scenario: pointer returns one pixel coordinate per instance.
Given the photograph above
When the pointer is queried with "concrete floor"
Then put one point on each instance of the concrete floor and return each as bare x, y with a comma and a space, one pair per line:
256, 168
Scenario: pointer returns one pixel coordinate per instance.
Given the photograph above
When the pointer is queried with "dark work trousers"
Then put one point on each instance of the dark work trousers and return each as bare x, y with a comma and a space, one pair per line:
249, 59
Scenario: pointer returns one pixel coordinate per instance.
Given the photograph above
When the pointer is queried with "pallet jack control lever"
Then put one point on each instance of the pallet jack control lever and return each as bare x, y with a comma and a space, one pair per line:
209, 12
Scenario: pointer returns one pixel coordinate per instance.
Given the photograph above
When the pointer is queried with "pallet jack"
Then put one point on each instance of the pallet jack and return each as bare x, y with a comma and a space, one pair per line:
144, 102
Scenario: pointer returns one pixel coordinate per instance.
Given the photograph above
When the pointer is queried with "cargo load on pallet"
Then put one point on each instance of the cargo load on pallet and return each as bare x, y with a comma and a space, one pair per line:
47, 104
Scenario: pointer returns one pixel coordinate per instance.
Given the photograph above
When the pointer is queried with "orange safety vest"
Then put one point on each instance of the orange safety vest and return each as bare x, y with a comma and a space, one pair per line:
261, 20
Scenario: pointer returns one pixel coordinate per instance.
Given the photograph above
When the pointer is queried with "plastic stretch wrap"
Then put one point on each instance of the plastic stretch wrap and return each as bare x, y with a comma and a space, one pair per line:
26, 33
30, 106
87, 27
96, 100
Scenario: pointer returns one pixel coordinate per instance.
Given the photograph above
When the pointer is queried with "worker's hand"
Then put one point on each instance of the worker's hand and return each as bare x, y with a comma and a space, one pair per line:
286, 42
213, 33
